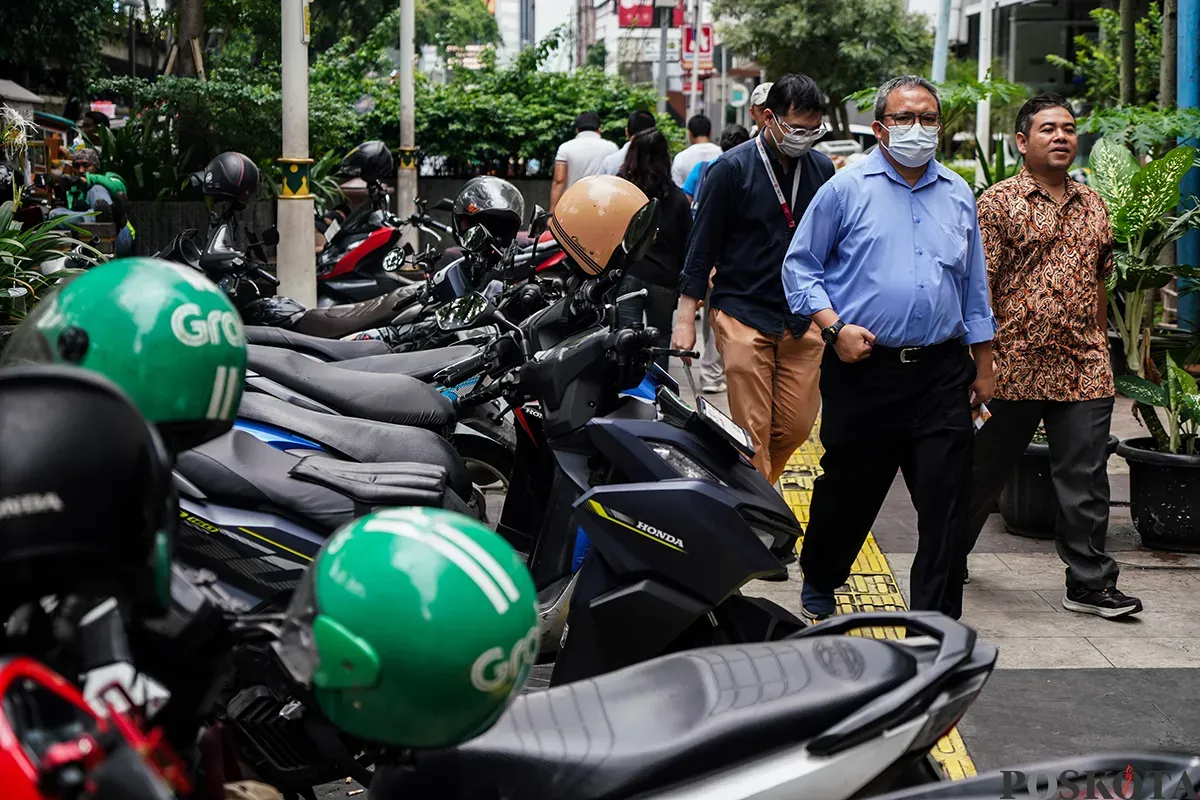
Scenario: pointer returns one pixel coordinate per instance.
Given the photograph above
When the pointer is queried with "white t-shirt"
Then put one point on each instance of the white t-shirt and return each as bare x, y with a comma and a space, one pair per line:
584, 155
681, 167
612, 164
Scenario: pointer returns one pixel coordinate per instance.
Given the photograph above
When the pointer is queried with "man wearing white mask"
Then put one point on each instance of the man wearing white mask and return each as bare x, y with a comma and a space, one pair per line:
752, 198
889, 264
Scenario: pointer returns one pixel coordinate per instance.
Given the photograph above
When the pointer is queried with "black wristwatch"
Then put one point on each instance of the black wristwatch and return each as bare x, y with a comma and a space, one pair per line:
830, 334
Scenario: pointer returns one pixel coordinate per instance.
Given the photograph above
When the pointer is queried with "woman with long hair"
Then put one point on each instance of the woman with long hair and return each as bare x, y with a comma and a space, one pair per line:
648, 166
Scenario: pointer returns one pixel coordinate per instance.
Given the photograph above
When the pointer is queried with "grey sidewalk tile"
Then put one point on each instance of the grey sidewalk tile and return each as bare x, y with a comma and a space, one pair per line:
1058, 652
1149, 653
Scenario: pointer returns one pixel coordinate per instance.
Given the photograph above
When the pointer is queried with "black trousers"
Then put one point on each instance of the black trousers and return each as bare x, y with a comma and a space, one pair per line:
658, 306
878, 416
1078, 437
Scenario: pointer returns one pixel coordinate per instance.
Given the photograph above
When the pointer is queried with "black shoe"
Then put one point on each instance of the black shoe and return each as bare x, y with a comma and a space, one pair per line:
966, 576
103, 211
1109, 603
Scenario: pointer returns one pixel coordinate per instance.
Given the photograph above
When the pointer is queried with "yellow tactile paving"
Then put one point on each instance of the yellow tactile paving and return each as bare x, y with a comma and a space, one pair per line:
871, 587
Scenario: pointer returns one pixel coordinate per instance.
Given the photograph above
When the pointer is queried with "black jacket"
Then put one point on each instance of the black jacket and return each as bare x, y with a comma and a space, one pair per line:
741, 230
664, 258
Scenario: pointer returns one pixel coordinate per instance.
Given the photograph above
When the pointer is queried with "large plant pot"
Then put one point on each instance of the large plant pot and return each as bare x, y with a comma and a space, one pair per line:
1028, 504
1164, 496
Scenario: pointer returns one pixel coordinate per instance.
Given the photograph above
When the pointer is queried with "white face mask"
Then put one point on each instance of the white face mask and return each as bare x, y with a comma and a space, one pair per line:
795, 144
913, 147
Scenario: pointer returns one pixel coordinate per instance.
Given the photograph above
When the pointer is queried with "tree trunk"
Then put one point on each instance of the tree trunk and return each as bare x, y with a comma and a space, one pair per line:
1168, 65
191, 26
845, 115
1128, 33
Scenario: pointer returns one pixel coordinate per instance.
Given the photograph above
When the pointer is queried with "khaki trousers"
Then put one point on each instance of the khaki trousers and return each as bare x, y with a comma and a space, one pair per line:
774, 387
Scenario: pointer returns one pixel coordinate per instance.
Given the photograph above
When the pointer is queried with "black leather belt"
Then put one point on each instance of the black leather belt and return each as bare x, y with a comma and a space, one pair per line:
912, 355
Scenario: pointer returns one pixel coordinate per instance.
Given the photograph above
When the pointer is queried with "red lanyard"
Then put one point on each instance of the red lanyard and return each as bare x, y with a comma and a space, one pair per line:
787, 211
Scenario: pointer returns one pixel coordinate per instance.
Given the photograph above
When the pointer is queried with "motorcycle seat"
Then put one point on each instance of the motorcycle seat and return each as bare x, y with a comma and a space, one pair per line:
237, 469
419, 364
324, 349
334, 322
358, 439
397, 399
664, 721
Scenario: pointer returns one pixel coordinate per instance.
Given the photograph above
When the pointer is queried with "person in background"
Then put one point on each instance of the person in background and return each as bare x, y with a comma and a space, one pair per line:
89, 190
638, 121
889, 265
700, 148
712, 369
752, 198
648, 167
1049, 248
89, 130
581, 156
758, 100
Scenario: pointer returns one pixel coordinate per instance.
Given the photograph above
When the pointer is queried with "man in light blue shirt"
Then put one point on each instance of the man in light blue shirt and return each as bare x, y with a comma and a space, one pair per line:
889, 263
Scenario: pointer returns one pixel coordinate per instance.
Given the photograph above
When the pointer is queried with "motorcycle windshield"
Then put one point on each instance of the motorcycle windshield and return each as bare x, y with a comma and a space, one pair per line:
296, 646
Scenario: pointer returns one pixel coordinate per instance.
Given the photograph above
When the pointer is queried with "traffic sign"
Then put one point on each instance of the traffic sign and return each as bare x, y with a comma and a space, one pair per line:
705, 47
739, 95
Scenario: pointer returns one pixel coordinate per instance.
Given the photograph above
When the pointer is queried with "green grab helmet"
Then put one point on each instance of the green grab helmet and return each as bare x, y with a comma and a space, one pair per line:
413, 627
163, 332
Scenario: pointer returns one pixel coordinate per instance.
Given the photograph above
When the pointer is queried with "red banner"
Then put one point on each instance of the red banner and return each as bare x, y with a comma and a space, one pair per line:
640, 14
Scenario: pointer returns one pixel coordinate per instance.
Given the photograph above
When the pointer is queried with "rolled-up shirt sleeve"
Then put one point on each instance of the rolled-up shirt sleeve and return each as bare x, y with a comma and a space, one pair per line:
804, 264
708, 229
977, 303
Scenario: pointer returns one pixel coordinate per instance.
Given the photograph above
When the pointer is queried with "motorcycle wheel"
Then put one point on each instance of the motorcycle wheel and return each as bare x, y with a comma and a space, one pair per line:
489, 460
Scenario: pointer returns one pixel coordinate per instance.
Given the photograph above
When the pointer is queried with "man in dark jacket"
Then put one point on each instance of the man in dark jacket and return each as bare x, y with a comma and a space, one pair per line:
751, 200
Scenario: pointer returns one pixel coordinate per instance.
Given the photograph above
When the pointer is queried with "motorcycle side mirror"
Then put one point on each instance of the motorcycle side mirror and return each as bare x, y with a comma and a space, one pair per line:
445, 204
270, 236
476, 239
538, 222
463, 313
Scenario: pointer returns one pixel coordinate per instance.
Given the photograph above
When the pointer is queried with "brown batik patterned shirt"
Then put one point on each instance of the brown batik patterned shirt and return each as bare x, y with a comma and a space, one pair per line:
1045, 265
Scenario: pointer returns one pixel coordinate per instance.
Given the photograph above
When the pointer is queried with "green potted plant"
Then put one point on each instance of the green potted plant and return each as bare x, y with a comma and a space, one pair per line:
1142, 203
1164, 469
22, 253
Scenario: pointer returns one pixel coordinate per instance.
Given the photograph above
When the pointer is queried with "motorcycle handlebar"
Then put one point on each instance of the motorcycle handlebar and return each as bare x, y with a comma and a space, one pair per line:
456, 373
266, 276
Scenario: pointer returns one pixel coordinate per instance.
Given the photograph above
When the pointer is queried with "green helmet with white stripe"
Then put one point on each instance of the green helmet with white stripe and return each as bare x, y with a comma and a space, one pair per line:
413, 627
162, 332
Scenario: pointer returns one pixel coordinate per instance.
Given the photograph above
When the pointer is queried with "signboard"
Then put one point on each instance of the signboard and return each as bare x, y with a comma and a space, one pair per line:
690, 50
640, 13
647, 49
106, 107
739, 95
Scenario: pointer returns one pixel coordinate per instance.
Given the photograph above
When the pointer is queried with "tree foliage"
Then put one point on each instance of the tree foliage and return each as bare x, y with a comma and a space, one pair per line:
843, 44
55, 44
1098, 61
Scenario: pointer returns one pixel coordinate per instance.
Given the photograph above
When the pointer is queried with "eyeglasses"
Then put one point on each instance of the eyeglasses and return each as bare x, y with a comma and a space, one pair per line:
810, 133
905, 120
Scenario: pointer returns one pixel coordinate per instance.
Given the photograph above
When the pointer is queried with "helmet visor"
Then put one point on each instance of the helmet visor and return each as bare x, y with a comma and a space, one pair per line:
640, 233
28, 343
296, 647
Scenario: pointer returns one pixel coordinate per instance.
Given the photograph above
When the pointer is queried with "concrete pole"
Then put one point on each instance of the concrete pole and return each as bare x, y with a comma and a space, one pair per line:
406, 178
664, 26
941, 42
1187, 249
692, 107
983, 109
297, 268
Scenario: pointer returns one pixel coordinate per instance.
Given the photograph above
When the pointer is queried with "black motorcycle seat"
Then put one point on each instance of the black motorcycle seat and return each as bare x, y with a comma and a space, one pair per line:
239, 470
664, 721
397, 399
337, 321
324, 349
359, 439
419, 364
376, 484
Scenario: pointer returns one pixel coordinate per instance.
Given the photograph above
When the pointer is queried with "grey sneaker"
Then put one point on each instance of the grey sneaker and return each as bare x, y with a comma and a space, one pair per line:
714, 388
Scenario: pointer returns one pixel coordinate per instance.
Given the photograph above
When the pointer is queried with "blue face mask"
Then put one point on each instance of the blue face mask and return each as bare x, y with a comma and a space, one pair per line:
912, 147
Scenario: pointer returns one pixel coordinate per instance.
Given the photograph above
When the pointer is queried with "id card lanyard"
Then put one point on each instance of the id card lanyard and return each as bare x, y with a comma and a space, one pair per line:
787, 210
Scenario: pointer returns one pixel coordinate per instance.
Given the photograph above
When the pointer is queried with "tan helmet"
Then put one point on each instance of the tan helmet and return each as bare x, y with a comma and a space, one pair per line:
603, 222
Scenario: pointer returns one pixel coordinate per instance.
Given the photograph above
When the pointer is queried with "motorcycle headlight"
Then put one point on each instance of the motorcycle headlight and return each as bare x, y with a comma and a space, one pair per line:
685, 465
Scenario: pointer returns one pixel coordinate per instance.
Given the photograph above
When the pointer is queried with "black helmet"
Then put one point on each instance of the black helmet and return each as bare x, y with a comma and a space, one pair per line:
371, 161
87, 505
231, 176
493, 203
